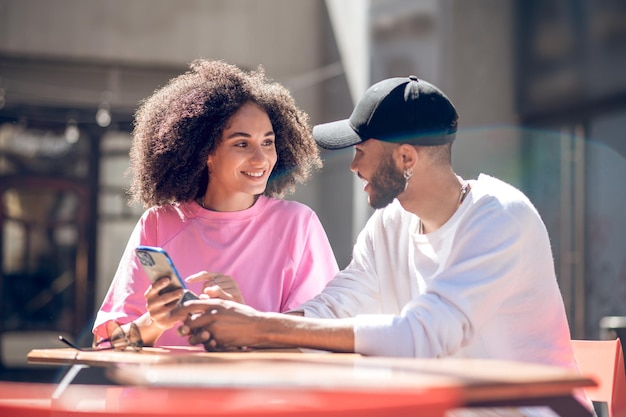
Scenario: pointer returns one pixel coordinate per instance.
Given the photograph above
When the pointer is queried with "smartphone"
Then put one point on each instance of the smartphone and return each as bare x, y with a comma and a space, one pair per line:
158, 264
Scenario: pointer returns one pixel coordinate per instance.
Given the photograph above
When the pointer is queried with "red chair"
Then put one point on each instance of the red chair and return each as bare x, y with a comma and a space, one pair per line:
25, 399
603, 360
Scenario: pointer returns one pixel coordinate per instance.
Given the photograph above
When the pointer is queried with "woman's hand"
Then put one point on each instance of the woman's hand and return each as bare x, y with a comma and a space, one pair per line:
217, 285
157, 317
160, 305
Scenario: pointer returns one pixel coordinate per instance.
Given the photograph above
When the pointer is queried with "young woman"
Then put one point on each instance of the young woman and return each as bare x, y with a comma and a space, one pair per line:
213, 151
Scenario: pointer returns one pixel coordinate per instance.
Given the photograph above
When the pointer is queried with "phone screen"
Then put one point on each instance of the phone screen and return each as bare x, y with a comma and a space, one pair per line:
157, 264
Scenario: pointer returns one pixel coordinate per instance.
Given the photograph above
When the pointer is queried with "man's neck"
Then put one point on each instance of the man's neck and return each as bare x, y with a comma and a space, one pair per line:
433, 200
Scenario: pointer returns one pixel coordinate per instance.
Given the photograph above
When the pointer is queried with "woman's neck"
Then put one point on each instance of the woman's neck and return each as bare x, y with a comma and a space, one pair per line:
216, 203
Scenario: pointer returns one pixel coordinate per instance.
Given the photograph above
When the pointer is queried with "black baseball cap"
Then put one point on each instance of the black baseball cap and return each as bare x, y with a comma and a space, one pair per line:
401, 110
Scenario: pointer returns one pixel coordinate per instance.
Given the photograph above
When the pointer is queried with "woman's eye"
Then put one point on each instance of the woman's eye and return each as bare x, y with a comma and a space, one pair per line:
269, 142
241, 144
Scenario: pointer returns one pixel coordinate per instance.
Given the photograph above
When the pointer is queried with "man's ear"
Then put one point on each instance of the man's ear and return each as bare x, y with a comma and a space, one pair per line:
407, 155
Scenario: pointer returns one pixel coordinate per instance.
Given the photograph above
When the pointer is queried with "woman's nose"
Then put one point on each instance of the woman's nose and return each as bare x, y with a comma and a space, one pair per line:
258, 154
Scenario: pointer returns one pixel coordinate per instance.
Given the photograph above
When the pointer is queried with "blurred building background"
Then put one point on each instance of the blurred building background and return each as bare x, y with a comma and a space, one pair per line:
540, 86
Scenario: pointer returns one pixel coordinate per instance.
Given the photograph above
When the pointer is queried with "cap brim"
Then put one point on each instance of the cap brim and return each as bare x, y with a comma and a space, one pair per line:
336, 135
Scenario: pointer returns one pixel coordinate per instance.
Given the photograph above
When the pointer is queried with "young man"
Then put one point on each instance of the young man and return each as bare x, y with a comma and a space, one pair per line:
444, 267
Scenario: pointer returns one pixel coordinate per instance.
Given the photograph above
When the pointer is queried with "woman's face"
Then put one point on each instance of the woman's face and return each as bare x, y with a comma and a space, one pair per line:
241, 165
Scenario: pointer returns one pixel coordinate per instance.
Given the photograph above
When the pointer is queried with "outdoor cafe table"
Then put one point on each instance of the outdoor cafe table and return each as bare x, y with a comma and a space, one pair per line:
191, 382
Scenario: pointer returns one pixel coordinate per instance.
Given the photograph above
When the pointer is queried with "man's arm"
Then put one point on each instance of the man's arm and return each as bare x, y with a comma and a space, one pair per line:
220, 324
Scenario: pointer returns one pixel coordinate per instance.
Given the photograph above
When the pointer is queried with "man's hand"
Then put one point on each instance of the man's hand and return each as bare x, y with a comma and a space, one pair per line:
220, 324
226, 325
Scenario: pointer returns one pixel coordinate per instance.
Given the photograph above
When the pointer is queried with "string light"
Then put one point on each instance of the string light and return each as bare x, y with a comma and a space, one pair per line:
103, 115
72, 133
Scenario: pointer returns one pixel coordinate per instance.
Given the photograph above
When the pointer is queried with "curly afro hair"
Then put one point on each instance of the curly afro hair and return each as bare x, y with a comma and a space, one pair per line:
181, 124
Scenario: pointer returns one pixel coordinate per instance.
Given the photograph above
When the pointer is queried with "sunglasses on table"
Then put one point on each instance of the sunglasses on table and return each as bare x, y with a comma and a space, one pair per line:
119, 340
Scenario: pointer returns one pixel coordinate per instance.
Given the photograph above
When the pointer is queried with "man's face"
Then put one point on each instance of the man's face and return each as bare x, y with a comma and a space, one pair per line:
373, 163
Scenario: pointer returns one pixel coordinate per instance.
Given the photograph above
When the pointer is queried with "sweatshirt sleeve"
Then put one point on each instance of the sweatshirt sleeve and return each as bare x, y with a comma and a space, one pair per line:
481, 272
317, 263
353, 290
124, 300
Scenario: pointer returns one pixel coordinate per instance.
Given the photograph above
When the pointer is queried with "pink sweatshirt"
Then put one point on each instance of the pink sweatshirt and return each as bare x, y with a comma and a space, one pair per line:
276, 251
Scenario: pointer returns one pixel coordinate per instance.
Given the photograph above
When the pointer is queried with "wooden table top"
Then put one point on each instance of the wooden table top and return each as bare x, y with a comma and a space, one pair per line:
476, 379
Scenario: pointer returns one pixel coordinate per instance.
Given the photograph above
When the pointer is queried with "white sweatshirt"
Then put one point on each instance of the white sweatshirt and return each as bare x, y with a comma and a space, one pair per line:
482, 286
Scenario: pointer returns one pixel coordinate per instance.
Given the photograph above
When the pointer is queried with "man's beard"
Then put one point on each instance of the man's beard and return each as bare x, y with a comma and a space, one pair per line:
386, 184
